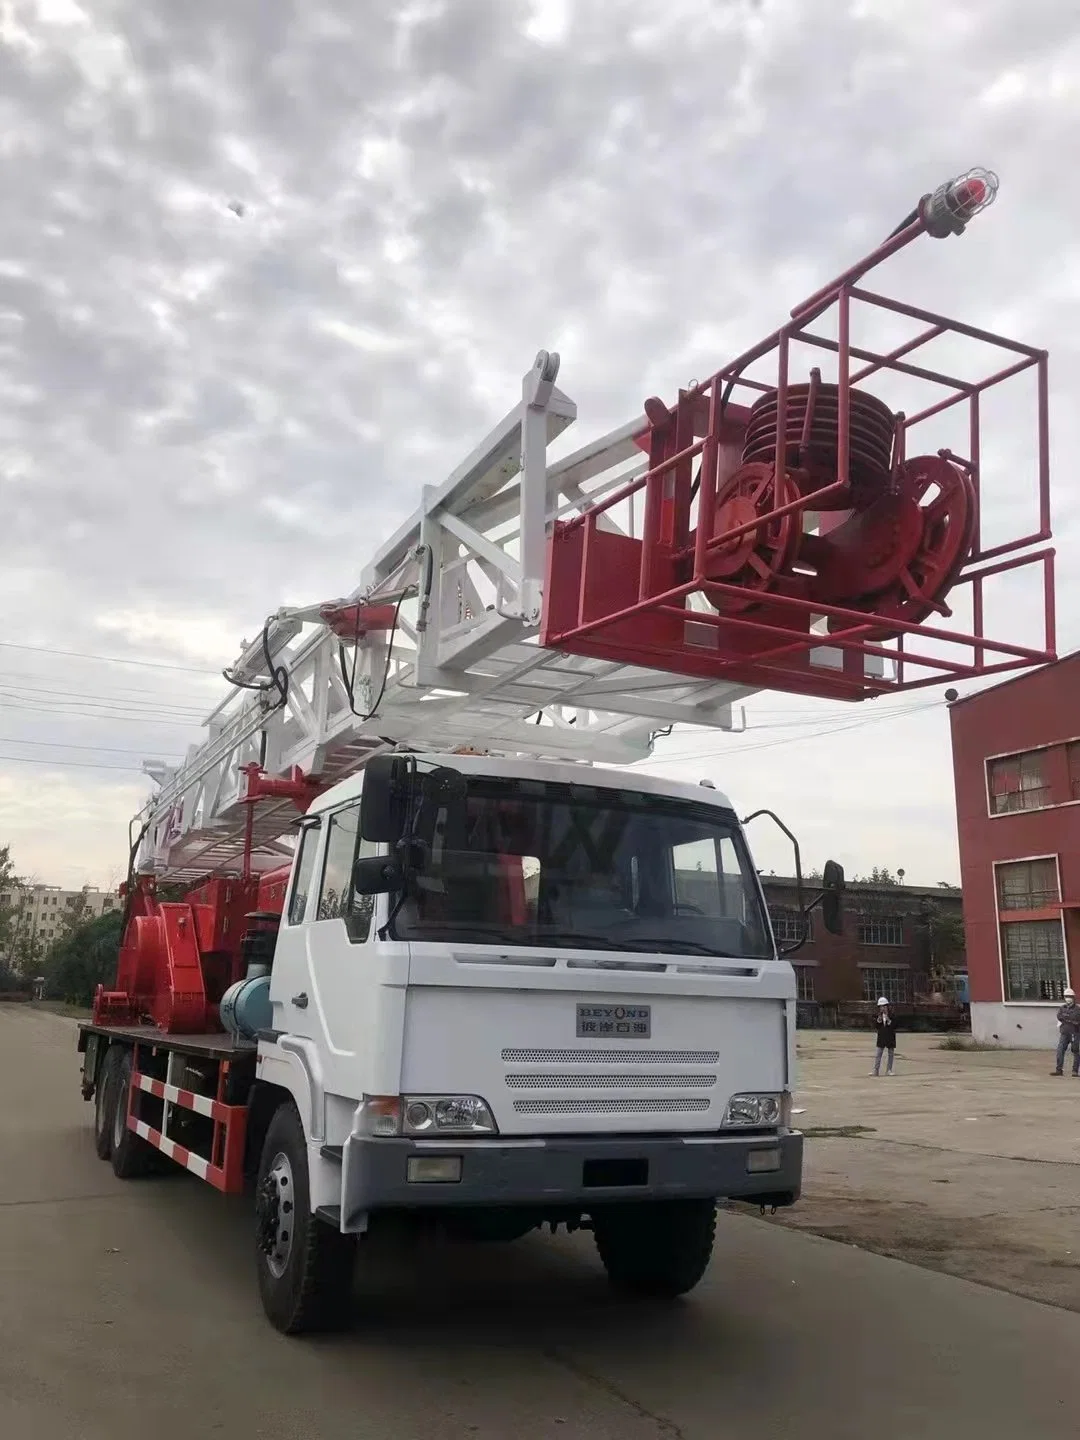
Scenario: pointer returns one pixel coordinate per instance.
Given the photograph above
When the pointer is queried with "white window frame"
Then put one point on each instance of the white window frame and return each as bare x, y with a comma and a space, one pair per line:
795, 915
1023, 860
867, 920
988, 760
805, 972
905, 970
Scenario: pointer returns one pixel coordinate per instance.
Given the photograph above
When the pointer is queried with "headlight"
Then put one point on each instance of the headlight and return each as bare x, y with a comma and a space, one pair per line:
449, 1115
462, 1113
386, 1115
756, 1111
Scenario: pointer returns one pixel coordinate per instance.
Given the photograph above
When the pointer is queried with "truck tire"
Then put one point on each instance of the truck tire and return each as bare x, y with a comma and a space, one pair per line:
305, 1266
104, 1102
659, 1249
132, 1157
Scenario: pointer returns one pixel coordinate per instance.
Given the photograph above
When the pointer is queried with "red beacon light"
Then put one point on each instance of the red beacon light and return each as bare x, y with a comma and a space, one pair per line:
950, 207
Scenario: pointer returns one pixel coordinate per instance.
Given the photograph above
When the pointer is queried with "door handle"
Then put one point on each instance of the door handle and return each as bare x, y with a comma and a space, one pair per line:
301, 1000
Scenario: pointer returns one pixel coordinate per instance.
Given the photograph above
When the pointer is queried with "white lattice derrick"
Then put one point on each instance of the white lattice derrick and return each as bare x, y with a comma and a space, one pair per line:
461, 666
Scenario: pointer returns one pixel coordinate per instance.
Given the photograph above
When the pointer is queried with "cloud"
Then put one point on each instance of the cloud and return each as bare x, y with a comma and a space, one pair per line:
268, 267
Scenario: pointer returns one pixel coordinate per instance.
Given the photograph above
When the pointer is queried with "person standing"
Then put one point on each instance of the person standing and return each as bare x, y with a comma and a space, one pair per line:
886, 1037
1068, 1034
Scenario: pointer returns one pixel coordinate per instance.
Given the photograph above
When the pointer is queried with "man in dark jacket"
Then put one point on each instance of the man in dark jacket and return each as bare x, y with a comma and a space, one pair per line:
1068, 1034
886, 1037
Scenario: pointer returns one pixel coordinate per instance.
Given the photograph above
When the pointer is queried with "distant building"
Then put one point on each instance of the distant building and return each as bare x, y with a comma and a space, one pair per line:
43, 909
1016, 764
903, 942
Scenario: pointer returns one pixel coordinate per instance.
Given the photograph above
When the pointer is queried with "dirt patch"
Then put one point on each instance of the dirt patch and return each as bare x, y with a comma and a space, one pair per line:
837, 1132
987, 1251
963, 1162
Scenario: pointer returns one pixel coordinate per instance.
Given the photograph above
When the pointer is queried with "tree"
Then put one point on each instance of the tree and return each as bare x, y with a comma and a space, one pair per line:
880, 875
947, 940
74, 915
16, 937
83, 959
9, 886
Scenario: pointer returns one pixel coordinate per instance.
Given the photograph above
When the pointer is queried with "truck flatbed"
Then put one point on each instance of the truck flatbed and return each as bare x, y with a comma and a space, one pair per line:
216, 1046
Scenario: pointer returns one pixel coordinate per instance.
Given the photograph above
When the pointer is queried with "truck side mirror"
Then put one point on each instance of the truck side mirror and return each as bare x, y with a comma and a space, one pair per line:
832, 910
377, 875
384, 800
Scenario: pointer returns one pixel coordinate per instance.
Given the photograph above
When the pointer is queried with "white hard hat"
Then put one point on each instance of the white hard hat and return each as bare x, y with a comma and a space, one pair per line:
1070, 993
882, 1001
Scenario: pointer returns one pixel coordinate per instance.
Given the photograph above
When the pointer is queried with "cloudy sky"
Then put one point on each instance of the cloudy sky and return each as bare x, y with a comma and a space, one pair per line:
207, 414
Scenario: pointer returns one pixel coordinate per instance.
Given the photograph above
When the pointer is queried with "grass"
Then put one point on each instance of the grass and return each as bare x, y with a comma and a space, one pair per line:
966, 1042
61, 1007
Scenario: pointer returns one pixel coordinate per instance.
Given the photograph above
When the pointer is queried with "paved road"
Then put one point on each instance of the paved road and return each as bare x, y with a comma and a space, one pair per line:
128, 1311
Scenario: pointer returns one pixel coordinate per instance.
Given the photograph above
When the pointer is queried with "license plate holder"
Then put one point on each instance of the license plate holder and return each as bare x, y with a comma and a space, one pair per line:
614, 1022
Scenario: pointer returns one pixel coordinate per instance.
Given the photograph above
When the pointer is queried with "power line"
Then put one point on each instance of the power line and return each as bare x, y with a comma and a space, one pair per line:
70, 745
108, 659
97, 717
129, 697
33, 680
89, 705
70, 764
735, 750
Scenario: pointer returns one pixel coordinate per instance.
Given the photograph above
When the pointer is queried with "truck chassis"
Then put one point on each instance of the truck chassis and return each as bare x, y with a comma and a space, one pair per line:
186, 1097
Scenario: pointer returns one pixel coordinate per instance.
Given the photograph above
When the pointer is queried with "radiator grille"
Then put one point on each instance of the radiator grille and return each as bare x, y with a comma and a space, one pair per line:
661, 1104
608, 1081
611, 1057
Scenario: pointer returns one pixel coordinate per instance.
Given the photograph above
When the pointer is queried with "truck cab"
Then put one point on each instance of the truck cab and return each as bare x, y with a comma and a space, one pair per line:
507, 993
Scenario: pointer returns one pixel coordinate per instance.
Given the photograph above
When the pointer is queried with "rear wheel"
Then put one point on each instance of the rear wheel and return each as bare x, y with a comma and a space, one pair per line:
659, 1248
131, 1155
305, 1266
105, 1101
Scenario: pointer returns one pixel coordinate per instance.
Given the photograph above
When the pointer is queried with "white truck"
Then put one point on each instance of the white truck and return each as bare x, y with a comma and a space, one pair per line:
484, 990
502, 994
436, 954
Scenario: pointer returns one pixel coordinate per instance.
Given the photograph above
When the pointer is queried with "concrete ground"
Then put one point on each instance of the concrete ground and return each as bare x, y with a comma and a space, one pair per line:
129, 1310
966, 1162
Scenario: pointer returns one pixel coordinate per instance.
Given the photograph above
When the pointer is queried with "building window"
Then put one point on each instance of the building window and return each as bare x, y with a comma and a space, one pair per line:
1073, 755
881, 930
1018, 782
1027, 884
1034, 952
804, 982
880, 982
790, 925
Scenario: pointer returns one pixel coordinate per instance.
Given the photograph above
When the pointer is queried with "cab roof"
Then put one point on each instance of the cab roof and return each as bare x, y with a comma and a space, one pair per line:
523, 768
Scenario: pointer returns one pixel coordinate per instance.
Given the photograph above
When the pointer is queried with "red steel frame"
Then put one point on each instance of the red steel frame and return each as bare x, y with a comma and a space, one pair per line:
224, 1167
769, 647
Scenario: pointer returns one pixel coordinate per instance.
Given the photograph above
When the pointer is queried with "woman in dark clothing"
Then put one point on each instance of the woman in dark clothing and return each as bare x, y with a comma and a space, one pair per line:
886, 1037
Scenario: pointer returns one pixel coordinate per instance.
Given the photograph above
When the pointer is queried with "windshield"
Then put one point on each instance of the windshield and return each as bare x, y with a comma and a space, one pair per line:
530, 862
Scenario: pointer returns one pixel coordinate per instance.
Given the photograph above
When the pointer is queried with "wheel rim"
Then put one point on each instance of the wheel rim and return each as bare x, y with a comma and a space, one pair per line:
120, 1115
274, 1209
101, 1109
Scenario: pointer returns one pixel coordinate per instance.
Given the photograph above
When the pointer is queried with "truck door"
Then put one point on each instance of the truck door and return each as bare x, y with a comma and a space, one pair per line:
323, 992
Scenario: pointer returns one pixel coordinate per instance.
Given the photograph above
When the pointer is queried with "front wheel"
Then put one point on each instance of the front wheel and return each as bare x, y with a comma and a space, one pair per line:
305, 1267
660, 1248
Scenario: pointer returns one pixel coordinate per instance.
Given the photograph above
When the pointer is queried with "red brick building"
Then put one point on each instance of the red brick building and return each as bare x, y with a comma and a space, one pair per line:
1016, 763
900, 941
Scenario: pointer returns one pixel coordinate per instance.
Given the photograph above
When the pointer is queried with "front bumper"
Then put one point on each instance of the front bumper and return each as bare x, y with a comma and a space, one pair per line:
574, 1172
